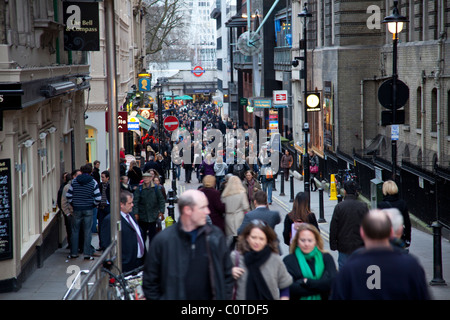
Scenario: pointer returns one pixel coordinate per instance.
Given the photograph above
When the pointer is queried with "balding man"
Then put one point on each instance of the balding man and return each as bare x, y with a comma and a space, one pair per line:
378, 272
190, 259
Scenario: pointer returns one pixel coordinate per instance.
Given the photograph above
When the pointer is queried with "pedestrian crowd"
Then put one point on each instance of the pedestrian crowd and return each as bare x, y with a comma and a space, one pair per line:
223, 245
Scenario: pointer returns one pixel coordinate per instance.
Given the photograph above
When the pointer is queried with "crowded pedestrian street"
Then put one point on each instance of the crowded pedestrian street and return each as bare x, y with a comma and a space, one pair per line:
53, 281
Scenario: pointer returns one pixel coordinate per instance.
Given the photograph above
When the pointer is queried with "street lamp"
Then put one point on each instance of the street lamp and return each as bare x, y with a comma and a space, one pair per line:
305, 15
395, 25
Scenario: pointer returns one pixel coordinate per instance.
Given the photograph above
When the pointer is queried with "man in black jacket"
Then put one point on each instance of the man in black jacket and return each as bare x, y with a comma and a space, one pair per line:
190, 259
345, 223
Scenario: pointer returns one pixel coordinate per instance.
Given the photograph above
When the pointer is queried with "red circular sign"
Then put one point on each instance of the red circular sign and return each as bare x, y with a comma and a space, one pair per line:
171, 123
198, 71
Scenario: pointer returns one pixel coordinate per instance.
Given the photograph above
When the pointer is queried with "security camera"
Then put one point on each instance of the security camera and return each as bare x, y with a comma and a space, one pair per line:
295, 63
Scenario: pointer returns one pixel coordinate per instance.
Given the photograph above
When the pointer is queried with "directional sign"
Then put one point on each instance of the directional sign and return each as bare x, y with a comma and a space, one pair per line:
171, 123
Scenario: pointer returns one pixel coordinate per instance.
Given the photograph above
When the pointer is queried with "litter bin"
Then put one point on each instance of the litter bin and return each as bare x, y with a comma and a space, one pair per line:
376, 192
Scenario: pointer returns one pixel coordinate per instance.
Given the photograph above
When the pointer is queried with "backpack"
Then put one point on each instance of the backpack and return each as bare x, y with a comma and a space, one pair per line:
269, 173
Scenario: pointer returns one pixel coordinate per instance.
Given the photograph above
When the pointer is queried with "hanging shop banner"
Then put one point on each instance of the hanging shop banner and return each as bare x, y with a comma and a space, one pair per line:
81, 30
6, 236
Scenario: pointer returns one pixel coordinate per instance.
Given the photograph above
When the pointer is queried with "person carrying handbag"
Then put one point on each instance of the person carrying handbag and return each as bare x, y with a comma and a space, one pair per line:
313, 169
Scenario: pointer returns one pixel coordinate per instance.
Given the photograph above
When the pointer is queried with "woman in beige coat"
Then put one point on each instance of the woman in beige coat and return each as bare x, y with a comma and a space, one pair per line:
234, 196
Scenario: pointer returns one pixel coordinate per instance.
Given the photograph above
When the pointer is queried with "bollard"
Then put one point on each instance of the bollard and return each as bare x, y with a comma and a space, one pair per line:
339, 198
321, 208
333, 192
171, 207
437, 256
174, 182
292, 188
282, 182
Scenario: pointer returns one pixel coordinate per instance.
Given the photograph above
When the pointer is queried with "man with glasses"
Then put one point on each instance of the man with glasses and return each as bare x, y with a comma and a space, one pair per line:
190, 259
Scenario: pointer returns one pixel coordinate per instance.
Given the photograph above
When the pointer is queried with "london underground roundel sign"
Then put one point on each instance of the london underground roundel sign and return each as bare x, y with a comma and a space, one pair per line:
198, 71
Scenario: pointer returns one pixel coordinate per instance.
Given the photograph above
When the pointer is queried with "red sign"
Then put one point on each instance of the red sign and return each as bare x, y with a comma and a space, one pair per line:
198, 71
171, 123
280, 97
122, 121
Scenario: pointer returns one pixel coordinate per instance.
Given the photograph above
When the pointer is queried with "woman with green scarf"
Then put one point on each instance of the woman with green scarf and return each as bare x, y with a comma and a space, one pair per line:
312, 270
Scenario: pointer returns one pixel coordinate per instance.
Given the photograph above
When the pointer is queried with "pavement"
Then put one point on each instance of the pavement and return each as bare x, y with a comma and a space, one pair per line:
52, 280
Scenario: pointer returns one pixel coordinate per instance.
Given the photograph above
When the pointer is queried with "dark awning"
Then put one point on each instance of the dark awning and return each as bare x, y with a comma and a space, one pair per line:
236, 21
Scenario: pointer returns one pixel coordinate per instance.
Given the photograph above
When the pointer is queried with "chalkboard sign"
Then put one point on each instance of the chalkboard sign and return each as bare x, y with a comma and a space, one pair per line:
6, 239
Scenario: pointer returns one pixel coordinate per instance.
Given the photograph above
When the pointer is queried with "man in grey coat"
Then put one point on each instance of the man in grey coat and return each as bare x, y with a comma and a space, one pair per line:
262, 212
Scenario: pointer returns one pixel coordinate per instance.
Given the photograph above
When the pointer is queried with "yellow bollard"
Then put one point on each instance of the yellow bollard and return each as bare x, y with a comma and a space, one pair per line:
169, 221
333, 192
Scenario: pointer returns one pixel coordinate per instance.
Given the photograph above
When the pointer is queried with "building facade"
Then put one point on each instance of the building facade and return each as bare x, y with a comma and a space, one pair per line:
42, 94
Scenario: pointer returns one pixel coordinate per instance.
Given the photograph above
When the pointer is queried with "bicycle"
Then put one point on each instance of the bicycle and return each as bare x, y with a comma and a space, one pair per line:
124, 286
344, 175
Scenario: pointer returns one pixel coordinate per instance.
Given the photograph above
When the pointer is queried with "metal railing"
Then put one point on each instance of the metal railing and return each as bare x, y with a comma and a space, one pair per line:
95, 285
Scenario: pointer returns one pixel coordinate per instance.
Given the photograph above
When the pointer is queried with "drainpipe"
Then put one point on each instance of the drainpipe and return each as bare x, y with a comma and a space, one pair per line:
361, 120
422, 112
442, 36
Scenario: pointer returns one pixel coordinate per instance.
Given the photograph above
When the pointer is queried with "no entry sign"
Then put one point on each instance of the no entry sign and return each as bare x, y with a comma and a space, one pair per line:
171, 123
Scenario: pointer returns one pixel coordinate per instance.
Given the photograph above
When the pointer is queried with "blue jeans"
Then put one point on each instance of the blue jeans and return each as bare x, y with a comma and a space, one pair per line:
82, 218
342, 259
267, 187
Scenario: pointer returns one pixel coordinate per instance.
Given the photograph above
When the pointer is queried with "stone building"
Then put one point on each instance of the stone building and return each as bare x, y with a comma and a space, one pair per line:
350, 54
46, 90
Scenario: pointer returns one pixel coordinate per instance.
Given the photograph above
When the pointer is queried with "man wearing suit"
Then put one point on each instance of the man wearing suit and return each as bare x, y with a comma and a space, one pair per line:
272, 218
133, 247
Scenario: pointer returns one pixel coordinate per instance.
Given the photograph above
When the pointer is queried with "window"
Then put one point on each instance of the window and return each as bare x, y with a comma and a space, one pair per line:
28, 221
419, 108
434, 110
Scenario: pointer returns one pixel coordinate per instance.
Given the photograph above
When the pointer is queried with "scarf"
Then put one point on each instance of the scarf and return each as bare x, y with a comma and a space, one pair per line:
257, 288
306, 270
250, 185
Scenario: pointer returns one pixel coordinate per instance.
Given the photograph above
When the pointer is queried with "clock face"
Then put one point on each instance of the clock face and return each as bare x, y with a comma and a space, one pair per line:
249, 43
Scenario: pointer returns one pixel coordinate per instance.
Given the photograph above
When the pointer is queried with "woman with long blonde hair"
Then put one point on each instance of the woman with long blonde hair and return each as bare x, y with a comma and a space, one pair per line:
312, 269
236, 203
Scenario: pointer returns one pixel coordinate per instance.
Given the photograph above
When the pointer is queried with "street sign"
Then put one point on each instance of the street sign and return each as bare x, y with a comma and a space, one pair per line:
122, 121
280, 97
133, 124
395, 132
385, 94
171, 123
198, 71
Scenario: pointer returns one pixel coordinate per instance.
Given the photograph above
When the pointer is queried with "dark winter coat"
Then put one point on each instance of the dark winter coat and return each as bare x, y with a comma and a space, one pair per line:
169, 260
345, 224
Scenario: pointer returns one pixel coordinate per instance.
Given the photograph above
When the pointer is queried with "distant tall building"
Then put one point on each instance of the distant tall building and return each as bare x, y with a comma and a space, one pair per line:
202, 34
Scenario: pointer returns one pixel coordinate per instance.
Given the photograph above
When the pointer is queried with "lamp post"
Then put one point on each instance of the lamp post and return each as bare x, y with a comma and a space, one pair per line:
305, 15
395, 25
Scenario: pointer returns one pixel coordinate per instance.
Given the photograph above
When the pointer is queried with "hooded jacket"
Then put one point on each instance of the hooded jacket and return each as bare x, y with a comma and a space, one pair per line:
84, 193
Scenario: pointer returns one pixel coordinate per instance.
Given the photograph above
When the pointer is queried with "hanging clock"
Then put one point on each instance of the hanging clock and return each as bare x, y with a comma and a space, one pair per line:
249, 43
